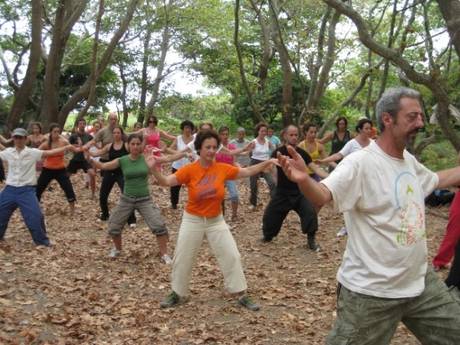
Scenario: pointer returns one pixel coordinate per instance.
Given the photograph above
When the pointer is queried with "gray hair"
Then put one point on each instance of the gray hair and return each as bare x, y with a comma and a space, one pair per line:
241, 129
390, 102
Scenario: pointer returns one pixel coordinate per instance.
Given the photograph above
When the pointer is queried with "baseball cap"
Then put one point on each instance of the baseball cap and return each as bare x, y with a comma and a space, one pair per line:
19, 132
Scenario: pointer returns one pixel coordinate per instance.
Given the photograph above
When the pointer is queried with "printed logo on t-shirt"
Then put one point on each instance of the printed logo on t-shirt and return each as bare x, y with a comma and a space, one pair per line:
206, 188
408, 196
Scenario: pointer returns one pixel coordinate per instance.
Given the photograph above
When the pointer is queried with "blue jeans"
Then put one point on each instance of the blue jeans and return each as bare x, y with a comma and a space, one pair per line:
26, 199
232, 190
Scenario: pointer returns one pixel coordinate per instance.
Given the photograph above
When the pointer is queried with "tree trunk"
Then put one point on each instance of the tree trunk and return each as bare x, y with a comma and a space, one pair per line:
267, 51
328, 61
124, 84
83, 91
22, 95
431, 81
66, 16
164, 47
450, 10
144, 76
285, 63
255, 108
92, 76
386, 67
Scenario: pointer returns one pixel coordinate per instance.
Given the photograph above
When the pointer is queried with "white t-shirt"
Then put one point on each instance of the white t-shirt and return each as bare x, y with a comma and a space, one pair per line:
352, 146
21, 166
180, 146
261, 152
382, 198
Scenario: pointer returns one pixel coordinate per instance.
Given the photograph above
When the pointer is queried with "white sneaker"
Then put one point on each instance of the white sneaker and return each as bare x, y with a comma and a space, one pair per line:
132, 225
114, 252
342, 232
166, 259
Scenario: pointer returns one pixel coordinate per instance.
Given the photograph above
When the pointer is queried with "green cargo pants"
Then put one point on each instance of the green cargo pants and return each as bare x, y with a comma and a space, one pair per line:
433, 317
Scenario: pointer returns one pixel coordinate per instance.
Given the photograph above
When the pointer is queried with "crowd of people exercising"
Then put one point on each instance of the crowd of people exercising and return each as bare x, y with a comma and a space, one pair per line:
372, 179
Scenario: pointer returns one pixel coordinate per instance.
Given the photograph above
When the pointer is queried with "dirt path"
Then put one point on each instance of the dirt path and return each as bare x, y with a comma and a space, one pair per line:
74, 294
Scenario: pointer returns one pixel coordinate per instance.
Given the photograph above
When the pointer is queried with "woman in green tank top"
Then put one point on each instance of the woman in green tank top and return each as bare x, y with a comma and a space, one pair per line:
136, 195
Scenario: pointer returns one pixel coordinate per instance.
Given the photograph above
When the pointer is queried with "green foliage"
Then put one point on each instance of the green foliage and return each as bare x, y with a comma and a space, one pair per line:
439, 156
175, 108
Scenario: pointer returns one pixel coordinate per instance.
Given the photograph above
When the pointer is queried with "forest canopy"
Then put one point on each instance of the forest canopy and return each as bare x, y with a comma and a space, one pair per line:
276, 61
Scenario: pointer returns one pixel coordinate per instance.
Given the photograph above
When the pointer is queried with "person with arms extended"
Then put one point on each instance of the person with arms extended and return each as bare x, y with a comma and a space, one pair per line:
54, 167
384, 277
117, 149
136, 195
338, 138
79, 161
287, 197
20, 189
205, 179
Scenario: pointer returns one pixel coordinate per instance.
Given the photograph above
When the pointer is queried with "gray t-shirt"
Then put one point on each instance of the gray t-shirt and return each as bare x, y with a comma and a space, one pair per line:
105, 137
242, 159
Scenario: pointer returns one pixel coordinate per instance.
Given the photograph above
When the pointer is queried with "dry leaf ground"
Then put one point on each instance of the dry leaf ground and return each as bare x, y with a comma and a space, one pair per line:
74, 294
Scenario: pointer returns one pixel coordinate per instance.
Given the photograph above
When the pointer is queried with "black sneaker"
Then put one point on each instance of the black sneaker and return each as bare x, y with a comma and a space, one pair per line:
171, 300
312, 245
246, 302
104, 217
265, 240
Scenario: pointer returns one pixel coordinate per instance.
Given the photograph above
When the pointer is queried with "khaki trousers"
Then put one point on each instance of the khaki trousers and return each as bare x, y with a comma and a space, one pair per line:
433, 317
191, 233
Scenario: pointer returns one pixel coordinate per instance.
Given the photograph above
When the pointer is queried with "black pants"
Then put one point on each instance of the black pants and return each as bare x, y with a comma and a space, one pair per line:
278, 208
174, 192
2, 171
60, 175
253, 183
109, 179
453, 279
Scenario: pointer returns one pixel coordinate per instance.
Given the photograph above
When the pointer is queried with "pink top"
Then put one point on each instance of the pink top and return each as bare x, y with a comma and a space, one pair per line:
226, 158
153, 139
152, 143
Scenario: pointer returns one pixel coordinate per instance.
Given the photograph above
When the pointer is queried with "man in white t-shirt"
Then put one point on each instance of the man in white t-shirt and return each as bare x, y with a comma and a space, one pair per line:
384, 277
20, 189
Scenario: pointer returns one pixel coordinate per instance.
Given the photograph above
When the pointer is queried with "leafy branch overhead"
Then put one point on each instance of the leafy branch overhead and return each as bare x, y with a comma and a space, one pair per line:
261, 60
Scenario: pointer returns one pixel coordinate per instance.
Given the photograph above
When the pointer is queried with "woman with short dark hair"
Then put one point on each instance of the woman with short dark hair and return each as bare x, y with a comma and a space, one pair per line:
181, 143
136, 195
54, 167
205, 179
260, 152
363, 138
117, 149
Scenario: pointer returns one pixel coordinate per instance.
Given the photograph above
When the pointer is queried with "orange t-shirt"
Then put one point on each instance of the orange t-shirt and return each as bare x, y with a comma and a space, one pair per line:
206, 188
54, 162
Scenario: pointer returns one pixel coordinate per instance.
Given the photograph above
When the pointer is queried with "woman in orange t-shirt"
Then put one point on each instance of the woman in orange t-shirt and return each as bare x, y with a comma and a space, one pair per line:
205, 180
54, 167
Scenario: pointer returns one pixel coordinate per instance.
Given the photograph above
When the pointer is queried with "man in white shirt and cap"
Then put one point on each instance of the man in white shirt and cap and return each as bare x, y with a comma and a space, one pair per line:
21, 181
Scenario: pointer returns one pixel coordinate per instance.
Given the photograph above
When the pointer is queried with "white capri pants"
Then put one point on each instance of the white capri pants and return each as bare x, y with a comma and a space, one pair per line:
191, 233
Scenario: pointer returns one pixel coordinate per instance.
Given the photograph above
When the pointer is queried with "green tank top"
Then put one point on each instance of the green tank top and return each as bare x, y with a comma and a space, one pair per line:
135, 173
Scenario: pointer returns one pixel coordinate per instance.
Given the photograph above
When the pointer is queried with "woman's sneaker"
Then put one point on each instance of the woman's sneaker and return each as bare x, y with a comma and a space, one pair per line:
166, 259
342, 232
246, 302
114, 253
171, 300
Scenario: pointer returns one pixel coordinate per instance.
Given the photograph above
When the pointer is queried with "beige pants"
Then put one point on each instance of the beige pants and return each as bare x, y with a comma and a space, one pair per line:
191, 233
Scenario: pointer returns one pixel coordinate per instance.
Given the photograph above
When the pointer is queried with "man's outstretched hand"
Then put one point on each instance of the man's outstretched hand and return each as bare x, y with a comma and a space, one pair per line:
294, 166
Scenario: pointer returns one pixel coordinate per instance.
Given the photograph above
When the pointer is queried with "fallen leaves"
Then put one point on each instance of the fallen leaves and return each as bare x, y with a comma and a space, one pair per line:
72, 294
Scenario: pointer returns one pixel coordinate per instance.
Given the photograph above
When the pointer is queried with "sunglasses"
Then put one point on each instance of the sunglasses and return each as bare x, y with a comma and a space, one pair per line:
18, 137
